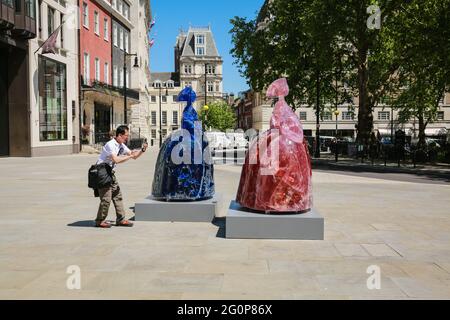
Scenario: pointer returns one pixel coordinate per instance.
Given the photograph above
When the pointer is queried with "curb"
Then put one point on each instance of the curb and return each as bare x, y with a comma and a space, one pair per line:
323, 164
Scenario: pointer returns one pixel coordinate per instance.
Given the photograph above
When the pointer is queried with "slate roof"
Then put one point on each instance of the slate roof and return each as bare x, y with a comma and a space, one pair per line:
189, 43
165, 76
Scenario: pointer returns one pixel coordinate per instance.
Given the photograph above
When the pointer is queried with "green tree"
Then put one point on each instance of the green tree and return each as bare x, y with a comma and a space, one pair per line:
424, 75
313, 42
219, 116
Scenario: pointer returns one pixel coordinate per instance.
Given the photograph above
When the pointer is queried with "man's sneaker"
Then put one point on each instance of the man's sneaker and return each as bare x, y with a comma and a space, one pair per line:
124, 223
103, 225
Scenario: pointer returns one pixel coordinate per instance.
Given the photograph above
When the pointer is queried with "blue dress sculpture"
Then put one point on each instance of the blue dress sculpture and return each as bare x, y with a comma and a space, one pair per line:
184, 170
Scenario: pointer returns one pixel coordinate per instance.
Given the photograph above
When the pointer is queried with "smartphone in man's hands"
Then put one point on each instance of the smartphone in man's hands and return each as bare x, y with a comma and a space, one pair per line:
144, 146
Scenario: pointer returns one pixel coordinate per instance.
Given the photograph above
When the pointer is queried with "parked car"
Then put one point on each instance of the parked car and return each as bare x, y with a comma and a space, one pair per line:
237, 139
218, 140
325, 143
386, 140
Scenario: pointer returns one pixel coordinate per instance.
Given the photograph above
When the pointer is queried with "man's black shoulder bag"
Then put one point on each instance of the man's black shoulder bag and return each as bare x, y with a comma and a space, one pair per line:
100, 176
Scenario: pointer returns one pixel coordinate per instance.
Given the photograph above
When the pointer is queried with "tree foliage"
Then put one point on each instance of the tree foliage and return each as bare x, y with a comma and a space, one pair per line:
327, 51
219, 116
424, 76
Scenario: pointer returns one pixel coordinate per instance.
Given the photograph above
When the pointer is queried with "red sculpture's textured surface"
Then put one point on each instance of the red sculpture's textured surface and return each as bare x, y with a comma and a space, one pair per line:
278, 183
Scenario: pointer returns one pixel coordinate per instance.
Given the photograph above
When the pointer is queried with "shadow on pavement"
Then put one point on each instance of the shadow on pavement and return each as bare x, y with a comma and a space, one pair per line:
83, 224
221, 223
389, 173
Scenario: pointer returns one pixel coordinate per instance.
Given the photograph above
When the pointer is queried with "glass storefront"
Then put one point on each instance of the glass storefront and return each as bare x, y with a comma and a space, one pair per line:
9, 3
52, 100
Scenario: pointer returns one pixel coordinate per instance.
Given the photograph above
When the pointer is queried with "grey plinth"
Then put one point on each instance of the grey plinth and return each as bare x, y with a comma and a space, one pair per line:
162, 211
242, 224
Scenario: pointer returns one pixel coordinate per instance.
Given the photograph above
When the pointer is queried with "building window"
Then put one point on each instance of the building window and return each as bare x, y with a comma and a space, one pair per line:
97, 69
121, 77
200, 39
175, 98
30, 10
85, 15
115, 76
175, 117
210, 86
164, 133
347, 115
210, 69
86, 68
115, 35
200, 51
96, 23
164, 118
119, 5
126, 11
440, 115
50, 20
164, 99
105, 29
106, 73
153, 118
121, 39
153, 99
217, 87
187, 69
154, 134
52, 100
303, 115
126, 42
327, 116
384, 116
114, 3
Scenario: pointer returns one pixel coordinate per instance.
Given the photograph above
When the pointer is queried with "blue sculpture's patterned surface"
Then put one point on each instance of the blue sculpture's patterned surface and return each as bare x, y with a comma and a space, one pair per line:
184, 171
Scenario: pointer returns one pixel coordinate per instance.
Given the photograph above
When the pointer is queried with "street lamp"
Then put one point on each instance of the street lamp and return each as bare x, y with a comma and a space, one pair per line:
206, 83
205, 112
392, 123
136, 65
337, 113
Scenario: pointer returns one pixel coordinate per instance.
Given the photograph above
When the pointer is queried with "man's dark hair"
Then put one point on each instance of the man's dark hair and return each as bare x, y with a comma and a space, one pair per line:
122, 130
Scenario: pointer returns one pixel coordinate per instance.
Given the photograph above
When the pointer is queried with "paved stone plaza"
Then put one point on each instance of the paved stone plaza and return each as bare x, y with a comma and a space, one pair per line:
47, 215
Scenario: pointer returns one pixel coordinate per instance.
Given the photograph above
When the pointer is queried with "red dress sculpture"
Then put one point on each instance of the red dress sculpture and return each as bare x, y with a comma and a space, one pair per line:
276, 177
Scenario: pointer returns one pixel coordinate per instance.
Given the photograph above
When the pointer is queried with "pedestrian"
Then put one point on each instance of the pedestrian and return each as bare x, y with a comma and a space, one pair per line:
115, 152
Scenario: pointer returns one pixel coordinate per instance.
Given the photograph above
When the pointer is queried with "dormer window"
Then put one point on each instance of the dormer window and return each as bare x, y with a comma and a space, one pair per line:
157, 84
200, 39
200, 45
170, 84
200, 51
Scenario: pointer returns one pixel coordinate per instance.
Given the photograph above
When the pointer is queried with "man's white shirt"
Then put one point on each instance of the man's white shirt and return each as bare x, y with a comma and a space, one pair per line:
112, 148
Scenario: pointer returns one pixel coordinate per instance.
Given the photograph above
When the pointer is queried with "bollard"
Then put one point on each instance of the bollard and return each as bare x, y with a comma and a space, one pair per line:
224, 152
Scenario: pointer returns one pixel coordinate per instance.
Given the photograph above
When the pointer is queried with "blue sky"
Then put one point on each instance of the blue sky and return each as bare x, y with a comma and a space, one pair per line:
173, 15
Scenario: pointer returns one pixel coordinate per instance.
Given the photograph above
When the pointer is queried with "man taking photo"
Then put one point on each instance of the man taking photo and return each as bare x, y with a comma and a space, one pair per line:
115, 152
